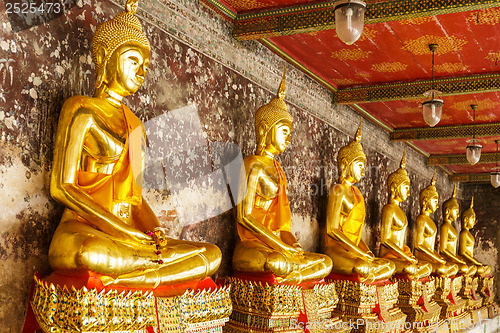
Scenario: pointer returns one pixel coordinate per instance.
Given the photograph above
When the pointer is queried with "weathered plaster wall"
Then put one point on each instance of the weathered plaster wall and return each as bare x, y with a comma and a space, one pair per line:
195, 65
487, 229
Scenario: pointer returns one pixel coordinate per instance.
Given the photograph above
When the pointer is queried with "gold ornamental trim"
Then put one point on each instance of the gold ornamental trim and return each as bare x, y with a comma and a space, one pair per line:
409, 90
470, 177
458, 159
445, 132
59, 309
315, 17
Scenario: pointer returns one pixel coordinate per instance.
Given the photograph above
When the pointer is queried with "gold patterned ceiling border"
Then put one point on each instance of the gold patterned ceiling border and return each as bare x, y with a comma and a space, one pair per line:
222, 9
458, 159
409, 90
470, 177
319, 16
445, 132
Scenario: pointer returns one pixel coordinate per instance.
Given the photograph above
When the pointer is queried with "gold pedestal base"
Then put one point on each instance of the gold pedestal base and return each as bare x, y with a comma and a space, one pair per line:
469, 293
85, 310
478, 315
369, 307
446, 296
263, 308
415, 300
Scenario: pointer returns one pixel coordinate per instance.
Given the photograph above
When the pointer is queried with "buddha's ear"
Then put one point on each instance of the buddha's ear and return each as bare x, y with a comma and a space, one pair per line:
100, 55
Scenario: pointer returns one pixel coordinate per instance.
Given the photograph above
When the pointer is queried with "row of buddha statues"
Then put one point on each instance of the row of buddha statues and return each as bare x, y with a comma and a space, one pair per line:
109, 229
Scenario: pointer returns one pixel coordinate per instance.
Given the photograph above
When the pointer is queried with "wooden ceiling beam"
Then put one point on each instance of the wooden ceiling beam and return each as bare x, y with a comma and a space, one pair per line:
470, 177
459, 159
409, 90
320, 16
445, 132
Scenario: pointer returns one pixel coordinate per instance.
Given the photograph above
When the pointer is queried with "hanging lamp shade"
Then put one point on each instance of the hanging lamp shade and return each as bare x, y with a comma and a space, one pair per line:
473, 148
349, 20
495, 178
432, 108
473, 151
495, 173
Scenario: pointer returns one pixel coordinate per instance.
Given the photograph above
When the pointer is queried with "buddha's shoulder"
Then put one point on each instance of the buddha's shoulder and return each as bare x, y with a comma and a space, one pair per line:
255, 161
80, 103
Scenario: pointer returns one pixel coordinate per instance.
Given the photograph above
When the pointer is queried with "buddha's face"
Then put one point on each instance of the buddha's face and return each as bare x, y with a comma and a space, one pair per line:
433, 203
357, 170
126, 69
280, 136
453, 212
470, 221
402, 191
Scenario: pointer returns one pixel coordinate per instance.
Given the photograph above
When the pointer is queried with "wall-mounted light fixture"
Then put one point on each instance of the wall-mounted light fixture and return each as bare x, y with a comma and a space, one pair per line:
349, 20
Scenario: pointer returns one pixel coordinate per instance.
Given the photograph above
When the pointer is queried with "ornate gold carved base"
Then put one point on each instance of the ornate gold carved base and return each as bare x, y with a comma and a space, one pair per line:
478, 315
369, 307
446, 296
415, 300
260, 307
61, 310
469, 293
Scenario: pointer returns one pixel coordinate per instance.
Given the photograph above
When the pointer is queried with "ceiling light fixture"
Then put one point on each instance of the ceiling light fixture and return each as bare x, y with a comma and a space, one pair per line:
473, 147
495, 173
433, 106
349, 20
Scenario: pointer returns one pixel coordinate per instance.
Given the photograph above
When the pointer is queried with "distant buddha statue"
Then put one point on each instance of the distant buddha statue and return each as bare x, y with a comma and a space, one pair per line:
394, 224
266, 243
426, 231
449, 236
345, 218
108, 228
467, 241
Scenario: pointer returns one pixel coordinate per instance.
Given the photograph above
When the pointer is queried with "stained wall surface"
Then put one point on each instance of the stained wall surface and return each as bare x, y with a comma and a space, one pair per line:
199, 99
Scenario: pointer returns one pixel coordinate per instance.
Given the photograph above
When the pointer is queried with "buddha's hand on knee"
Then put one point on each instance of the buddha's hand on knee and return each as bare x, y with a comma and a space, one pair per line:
298, 247
369, 256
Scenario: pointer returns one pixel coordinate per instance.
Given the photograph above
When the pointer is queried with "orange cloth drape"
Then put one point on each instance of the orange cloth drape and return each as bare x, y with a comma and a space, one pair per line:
277, 216
352, 225
121, 184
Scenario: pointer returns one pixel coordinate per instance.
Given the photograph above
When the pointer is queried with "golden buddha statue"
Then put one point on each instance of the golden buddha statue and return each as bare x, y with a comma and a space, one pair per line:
449, 236
426, 231
108, 228
345, 218
266, 243
467, 241
394, 224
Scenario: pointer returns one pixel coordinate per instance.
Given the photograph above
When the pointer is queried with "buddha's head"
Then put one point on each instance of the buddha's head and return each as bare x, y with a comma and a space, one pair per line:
469, 216
121, 52
398, 182
351, 160
429, 197
450, 207
273, 124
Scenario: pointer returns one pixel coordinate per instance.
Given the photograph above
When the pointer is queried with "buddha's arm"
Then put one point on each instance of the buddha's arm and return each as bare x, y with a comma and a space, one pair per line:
388, 217
445, 236
333, 213
72, 129
246, 220
467, 243
421, 226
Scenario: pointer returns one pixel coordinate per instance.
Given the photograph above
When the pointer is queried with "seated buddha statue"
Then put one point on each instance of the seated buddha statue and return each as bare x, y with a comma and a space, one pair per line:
426, 231
394, 224
449, 237
467, 241
345, 218
266, 243
107, 227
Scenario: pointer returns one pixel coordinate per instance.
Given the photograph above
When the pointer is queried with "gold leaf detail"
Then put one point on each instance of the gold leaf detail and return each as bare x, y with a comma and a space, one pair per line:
417, 20
350, 54
420, 45
482, 105
389, 67
451, 67
489, 16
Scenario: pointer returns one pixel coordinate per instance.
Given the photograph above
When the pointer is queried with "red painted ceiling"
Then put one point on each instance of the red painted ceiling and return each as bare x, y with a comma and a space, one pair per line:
397, 51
